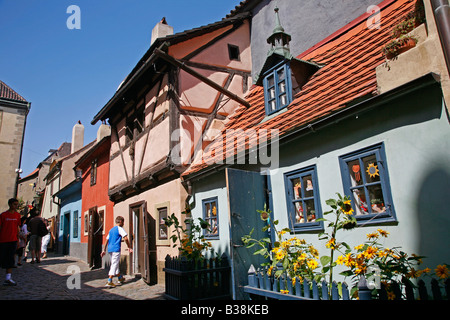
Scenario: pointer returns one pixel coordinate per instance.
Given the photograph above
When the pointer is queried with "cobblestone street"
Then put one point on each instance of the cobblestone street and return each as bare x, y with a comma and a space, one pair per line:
48, 280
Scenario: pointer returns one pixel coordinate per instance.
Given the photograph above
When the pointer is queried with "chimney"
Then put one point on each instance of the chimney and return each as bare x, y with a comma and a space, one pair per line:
77, 137
160, 30
103, 131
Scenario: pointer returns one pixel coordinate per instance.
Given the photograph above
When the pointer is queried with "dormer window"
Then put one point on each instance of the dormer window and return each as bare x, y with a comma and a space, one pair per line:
282, 75
277, 88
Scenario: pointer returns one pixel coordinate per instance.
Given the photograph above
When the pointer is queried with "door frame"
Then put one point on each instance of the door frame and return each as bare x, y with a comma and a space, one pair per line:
139, 242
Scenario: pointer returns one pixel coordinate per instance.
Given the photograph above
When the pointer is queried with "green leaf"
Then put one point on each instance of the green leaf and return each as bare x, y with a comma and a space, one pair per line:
261, 251
325, 260
346, 273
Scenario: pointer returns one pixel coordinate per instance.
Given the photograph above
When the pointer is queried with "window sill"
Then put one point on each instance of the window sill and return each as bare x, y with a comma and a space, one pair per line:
372, 220
275, 114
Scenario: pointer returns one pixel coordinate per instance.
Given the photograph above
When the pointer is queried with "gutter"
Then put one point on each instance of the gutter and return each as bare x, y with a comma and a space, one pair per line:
441, 11
350, 111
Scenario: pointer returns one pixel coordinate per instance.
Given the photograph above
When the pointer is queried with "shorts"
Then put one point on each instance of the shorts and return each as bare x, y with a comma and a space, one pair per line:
7, 252
35, 242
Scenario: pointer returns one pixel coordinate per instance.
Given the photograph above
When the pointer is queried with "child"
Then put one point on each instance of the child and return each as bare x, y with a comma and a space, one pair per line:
113, 242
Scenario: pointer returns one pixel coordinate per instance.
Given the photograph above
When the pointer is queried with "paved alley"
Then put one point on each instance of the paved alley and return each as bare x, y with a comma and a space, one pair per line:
52, 279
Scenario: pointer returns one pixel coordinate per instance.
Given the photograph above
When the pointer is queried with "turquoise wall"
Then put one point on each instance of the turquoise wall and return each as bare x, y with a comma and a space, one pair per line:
415, 132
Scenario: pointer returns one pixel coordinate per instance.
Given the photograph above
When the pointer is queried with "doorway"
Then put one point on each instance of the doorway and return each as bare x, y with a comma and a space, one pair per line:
247, 192
95, 237
66, 234
140, 239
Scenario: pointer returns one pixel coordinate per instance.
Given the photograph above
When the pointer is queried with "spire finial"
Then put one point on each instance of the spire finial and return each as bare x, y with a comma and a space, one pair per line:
278, 27
279, 39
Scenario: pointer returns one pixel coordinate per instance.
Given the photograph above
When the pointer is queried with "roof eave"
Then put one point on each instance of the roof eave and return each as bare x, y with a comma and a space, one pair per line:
346, 112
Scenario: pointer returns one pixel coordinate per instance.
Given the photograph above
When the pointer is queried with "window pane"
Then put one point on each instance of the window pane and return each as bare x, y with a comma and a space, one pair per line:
207, 210
281, 74
282, 87
297, 188
310, 211
359, 198
299, 212
273, 105
371, 169
270, 81
308, 186
272, 93
355, 173
283, 100
376, 198
162, 226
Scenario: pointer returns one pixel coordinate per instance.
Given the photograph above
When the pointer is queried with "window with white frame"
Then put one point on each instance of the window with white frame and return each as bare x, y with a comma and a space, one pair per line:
366, 180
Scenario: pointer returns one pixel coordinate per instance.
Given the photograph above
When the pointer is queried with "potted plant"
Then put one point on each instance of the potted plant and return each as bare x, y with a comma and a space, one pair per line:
404, 27
398, 46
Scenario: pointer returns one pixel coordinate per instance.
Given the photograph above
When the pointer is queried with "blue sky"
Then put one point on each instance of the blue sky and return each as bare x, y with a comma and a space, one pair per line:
69, 75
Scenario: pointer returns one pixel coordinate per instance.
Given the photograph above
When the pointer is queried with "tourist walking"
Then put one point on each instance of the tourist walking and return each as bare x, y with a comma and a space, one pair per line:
113, 243
46, 240
22, 242
38, 230
9, 230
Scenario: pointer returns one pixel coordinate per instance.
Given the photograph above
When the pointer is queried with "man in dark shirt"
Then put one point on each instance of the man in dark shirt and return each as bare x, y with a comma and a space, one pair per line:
35, 238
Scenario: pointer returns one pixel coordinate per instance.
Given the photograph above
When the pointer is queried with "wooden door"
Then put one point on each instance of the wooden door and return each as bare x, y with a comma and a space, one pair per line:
139, 238
246, 194
95, 238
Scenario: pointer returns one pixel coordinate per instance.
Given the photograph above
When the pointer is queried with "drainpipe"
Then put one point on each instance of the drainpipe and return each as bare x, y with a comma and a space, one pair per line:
441, 11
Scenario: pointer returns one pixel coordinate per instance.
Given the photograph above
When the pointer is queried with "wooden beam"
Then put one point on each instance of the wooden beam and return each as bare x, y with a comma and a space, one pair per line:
199, 76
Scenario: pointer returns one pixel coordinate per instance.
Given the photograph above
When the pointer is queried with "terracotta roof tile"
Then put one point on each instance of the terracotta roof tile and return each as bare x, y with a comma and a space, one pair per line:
7, 93
348, 63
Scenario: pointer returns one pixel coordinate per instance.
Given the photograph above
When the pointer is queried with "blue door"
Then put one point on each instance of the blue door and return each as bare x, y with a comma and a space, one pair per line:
247, 192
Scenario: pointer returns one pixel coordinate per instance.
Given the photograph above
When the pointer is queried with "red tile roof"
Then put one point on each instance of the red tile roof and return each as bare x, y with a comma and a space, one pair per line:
8, 93
349, 58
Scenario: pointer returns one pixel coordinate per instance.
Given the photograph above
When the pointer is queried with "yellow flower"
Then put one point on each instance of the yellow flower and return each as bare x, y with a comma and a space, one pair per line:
331, 243
340, 260
302, 257
285, 244
314, 251
442, 271
390, 295
312, 264
293, 281
373, 235
349, 260
359, 247
413, 273
284, 291
426, 270
370, 252
383, 233
347, 208
279, 255
269, 271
